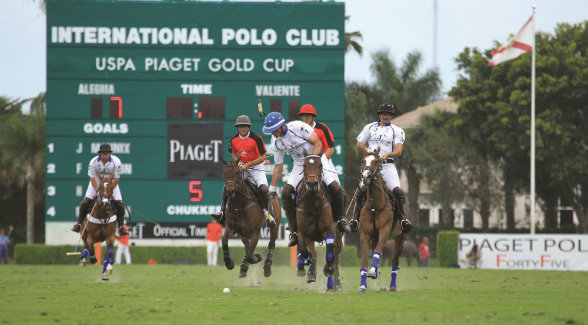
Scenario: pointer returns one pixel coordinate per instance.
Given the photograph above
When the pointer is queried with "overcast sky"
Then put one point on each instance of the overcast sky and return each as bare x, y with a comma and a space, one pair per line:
401, 26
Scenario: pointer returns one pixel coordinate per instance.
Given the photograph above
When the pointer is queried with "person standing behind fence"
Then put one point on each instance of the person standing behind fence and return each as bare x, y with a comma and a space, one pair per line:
474, 257
424, 252
4, 240
214, 231
123, 247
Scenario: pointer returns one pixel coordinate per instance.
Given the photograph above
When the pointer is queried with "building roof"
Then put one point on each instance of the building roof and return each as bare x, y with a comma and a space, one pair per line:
413, 118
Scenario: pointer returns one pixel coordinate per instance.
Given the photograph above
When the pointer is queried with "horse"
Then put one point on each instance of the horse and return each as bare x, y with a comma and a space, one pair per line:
378, 222
100, 226
315, 224
244, 216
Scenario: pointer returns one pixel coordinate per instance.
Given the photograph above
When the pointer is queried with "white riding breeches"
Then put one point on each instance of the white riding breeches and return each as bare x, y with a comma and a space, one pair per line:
297, 172
257, 175
390, 175
91, 193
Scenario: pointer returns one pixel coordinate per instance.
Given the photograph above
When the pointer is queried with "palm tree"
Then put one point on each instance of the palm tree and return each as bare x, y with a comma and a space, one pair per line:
22, 143
351, 40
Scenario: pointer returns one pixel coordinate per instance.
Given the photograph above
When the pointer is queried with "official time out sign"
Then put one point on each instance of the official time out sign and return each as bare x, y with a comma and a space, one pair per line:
163, 81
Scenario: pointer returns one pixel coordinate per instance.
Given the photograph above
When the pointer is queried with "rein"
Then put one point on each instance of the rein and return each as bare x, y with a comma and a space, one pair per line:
237, 185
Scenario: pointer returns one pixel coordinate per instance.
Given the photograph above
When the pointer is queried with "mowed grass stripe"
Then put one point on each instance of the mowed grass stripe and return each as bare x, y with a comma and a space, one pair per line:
192, 294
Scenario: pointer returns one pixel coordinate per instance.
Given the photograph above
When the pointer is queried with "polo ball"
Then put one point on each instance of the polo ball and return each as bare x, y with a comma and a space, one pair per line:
226, 290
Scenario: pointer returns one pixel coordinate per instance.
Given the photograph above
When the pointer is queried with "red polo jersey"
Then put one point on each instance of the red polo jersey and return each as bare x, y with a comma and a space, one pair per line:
249, 148
324, 134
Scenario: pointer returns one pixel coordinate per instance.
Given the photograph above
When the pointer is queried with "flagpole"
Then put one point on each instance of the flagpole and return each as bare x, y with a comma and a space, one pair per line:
533, 130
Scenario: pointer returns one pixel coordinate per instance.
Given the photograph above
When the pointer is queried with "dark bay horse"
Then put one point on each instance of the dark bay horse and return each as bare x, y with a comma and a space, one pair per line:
100, 226
244, 216
315, 223
377, 222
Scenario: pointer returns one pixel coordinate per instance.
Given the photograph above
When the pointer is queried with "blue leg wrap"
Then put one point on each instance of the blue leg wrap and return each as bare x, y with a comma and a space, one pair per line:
330, 243
330, 284
111, 256
393, 280
363, 273
308, 260
300, 260
84, 253
105, 265
376, 260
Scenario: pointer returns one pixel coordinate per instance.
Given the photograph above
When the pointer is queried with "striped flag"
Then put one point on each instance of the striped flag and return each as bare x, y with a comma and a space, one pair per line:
522, 42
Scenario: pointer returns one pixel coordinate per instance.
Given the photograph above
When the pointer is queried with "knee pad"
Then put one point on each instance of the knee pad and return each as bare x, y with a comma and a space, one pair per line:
264, 190
398, 193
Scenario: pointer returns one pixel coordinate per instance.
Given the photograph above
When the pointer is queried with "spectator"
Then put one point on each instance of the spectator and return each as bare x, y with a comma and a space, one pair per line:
213, 233
474, 257
4, 241
424, 252
123, 247
12, 238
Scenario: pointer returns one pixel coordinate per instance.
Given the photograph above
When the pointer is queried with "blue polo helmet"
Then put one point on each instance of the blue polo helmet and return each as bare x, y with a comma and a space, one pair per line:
273, 121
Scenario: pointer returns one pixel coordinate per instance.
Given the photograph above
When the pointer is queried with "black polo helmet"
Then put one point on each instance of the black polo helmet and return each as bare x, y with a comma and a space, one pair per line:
104, 148
387, 108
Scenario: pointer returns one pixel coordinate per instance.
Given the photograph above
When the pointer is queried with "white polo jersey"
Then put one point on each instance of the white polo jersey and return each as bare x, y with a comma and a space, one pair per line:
293, 142
110, 169
385, 137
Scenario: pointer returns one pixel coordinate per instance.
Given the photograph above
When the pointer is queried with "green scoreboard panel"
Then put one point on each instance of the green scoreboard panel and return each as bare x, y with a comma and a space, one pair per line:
163, 82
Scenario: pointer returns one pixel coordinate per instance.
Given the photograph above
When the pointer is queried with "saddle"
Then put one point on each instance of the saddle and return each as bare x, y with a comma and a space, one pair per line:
255, 190
391, 198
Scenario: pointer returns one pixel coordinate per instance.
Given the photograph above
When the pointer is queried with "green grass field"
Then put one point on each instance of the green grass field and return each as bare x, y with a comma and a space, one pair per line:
192, 294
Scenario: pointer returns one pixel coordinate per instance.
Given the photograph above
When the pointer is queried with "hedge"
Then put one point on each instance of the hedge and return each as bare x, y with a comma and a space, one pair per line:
45, 254
447, 242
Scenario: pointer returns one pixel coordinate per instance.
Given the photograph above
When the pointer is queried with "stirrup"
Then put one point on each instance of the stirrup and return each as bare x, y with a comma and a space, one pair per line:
293, 239
406, 226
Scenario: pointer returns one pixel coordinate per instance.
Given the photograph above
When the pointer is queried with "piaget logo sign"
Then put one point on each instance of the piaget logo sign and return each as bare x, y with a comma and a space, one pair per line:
195, 151
527, 252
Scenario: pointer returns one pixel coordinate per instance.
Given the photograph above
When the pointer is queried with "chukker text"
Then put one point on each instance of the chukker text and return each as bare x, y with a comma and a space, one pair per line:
527, 252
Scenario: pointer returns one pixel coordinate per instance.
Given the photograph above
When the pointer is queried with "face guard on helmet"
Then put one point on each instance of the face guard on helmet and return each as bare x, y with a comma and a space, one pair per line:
273, 121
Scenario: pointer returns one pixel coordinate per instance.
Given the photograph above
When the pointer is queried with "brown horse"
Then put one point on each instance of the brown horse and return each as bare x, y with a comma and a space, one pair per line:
315, 223
377, 221
100, 226
244, 216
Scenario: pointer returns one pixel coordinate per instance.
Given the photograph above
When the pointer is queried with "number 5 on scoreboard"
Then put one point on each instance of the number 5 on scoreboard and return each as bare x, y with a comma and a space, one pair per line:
195, 191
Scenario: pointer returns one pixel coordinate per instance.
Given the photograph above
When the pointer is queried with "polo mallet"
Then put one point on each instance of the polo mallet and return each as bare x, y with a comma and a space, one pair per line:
260, 108
352, 200
75, 252
144, 216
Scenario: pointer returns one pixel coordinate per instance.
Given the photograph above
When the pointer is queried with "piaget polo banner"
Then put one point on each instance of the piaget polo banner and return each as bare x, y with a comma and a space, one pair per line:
527, 252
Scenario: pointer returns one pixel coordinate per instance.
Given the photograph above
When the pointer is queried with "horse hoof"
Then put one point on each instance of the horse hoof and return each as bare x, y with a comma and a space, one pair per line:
104, 277
109, 269
338, 287
82, 263
93, 260
301, 272
242, 274
330, 290
362, 289
267, 270
373, 273
392, 289
229, 264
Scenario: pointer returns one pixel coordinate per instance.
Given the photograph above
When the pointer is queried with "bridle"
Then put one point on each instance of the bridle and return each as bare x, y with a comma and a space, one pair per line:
104, 198
231, 185
368, 174
311, 181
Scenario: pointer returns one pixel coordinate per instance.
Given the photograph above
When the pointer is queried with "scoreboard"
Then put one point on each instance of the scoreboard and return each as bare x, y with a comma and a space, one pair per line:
163, 83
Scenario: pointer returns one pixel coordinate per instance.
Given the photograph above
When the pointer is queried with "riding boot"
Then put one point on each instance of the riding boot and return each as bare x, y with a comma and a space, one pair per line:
220, 216
405, 223
288, 203
359, 201
338, 206
120, 217
263, 189
82, 211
